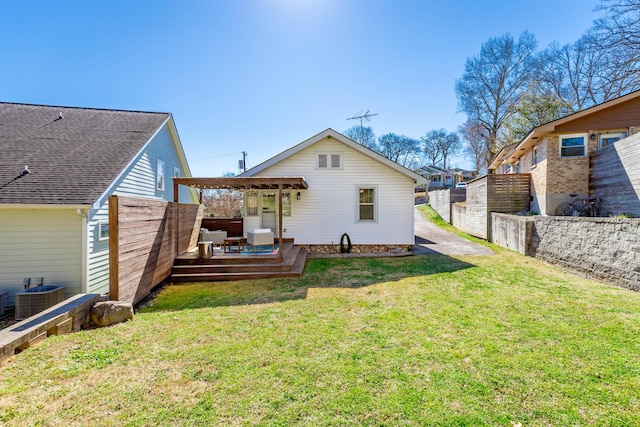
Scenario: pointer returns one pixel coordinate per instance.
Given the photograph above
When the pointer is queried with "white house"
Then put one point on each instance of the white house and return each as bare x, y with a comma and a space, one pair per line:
351, 190
54, 219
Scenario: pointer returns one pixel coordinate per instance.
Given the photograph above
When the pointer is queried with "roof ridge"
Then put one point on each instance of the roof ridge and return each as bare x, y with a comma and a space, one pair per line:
83, 108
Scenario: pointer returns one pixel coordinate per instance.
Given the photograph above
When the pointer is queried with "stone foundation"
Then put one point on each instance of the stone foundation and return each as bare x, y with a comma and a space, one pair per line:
358, 249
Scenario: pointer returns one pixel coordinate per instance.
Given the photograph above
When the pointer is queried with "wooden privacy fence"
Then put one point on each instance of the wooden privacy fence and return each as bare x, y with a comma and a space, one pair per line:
615, 177
504, 193
145, 236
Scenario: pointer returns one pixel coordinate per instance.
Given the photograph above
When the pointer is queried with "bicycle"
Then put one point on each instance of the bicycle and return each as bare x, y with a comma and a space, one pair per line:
580, 207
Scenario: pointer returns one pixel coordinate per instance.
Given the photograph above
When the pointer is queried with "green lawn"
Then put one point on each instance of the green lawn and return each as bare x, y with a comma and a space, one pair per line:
428, 340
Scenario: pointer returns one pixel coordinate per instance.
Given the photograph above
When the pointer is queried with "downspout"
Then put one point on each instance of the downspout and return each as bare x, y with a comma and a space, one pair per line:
85, 249
176, 223
280, 220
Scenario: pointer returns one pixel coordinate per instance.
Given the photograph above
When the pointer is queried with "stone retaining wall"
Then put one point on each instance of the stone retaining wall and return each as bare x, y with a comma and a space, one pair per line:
606, 249
357, 249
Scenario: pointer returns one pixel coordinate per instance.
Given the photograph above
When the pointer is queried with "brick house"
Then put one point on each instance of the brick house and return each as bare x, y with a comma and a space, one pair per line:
556, 154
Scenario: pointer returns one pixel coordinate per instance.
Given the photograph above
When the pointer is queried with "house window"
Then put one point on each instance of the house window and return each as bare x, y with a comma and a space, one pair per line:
176, 172
507, 168
573, 145
286, 204
160, 174
517, 167
435, 179
329, 161
366, 204
103, 231
251, 204
534, 159
610, 138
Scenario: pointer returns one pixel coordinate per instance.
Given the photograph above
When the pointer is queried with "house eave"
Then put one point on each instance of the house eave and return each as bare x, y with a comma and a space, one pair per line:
42, 206
538, 133
330, 133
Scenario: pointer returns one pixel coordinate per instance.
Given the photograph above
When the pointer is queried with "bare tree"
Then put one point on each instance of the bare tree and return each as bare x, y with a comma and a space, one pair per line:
475, 149
621, 24
602, 65
431, 147
438, 145
399, 148
494, 81
363, 135
618, 35
222, 203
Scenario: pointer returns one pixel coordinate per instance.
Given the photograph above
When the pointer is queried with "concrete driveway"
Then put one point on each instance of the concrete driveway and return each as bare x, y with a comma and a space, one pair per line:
431, 239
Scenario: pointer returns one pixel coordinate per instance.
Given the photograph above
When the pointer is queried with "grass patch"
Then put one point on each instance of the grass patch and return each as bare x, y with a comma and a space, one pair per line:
433, 216
425, 340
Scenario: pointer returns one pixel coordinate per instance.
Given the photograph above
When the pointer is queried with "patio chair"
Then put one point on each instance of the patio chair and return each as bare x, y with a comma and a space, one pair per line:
260, 237
216, 237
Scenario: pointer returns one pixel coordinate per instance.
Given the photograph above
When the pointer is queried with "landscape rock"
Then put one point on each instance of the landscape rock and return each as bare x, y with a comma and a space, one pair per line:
109, 313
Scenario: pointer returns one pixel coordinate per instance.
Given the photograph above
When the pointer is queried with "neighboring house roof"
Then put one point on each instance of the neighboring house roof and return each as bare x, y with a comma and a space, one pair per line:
431, 170
330, 133
536, 133
506, 150
73, 154
437, 170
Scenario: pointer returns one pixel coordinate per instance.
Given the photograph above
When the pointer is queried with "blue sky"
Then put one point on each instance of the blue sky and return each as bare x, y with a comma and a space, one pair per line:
263, 75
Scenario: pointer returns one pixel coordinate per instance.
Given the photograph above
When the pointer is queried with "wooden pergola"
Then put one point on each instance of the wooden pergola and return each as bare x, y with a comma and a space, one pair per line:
243, 184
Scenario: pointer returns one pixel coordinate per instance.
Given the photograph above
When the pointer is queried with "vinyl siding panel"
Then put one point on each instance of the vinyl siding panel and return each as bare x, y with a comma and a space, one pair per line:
328, 208
40, 243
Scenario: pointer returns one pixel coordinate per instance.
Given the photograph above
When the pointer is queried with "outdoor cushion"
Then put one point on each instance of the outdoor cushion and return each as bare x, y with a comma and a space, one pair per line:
216, 237
260, 237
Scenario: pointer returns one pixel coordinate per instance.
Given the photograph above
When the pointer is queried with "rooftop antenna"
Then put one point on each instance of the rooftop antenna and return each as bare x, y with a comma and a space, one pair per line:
362, 115
26, 171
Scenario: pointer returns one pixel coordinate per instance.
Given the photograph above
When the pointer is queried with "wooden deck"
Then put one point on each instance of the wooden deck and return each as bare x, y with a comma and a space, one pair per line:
239, 266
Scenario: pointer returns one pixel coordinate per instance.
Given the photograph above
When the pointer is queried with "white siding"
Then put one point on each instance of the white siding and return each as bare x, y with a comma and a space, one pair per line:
329, 207
40, 243
138, 181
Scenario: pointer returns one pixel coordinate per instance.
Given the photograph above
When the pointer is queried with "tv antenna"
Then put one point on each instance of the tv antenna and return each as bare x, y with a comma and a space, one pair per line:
363, 115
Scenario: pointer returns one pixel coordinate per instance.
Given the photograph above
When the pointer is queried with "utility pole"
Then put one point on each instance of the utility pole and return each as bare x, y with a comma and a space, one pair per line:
242, 164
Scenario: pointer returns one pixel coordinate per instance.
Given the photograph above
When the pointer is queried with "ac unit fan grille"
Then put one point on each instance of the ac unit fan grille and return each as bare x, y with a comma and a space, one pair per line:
31, 303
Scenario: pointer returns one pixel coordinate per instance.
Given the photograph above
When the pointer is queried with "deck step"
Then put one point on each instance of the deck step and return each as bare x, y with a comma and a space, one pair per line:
292, 265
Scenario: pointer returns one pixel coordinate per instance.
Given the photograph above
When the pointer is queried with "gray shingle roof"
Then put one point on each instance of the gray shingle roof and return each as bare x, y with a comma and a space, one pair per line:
73, 159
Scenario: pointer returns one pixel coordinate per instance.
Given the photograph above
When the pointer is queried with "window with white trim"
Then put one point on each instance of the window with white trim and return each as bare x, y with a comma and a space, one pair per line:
573, 145
329, 161
286, 204
160, 174
176, 172
507, 168
251, 204
366, 204
610, 137
516, 169
534, 158
103, 231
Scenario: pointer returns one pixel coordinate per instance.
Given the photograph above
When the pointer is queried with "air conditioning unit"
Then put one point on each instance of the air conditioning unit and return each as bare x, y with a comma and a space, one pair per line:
4, 300
34, 300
